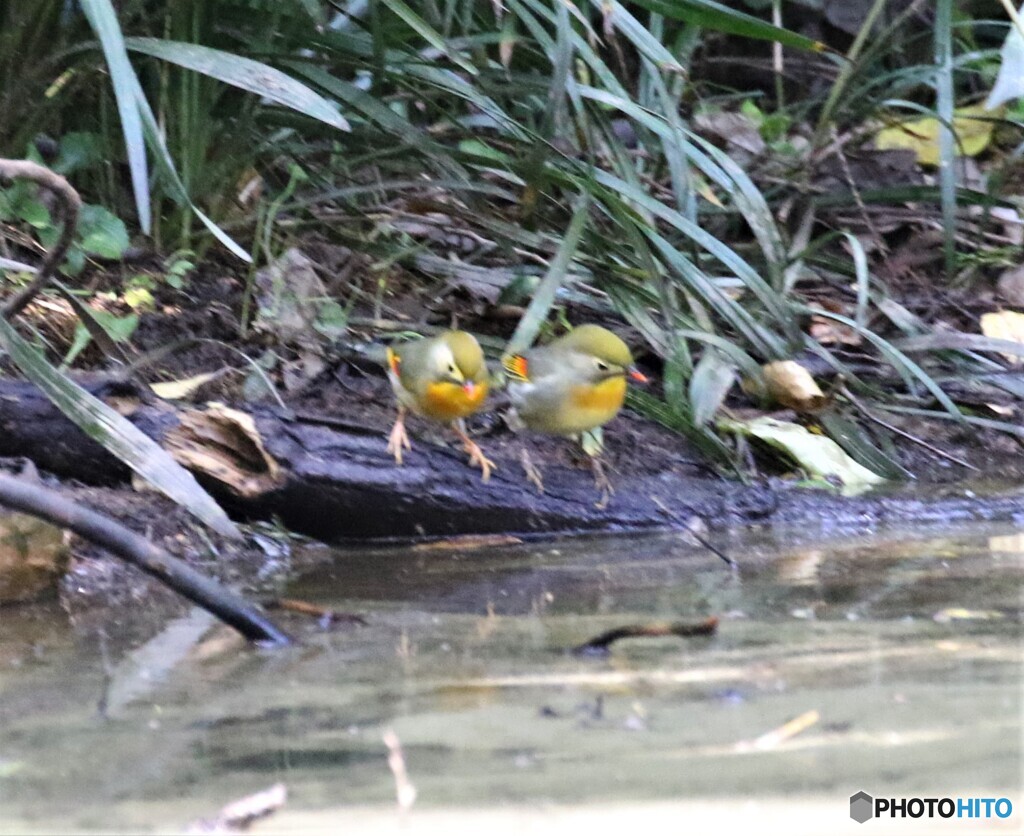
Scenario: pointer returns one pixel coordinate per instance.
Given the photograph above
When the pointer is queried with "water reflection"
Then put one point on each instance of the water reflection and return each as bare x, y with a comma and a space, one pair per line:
898, 658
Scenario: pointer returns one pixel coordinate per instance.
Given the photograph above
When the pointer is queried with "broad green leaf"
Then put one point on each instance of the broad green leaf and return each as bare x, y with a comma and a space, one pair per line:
712, 379
101, 232
120, 437
79, 150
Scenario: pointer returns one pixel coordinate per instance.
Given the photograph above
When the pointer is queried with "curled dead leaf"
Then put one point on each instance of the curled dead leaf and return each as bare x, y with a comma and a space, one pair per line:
224, 444
792, 386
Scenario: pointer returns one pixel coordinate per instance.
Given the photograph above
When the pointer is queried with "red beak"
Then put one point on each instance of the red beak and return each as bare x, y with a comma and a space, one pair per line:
469, 387
637, 375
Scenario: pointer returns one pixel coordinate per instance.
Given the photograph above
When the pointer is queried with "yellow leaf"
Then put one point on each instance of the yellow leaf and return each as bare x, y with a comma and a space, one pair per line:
972, 125
174, 390
791, 385
1004, 325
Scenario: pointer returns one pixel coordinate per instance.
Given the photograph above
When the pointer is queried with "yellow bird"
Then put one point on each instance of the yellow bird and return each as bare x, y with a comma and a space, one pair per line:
443, 378
571, 386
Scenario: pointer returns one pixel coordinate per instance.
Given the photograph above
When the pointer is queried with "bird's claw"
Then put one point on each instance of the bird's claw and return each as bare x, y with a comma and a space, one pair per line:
602, 483
478, 459
398, 439
532, 473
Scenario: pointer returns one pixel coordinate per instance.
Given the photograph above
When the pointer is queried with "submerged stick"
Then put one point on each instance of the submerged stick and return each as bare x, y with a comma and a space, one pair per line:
598, 646
228, 606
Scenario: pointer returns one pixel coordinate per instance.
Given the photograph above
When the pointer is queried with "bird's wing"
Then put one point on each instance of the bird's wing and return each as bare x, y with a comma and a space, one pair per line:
517, 367
394, 361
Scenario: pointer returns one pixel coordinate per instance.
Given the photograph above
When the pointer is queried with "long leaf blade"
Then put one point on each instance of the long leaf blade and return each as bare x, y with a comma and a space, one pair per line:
103, 19
245, 74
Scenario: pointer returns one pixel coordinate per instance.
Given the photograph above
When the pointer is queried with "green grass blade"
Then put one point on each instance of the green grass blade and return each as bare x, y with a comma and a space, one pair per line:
903, 364
103, 19
721, 18
947, 139
245, 74
544, 296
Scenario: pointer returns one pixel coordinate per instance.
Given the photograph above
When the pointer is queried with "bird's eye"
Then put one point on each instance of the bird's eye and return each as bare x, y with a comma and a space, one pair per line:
602, 366
451, 368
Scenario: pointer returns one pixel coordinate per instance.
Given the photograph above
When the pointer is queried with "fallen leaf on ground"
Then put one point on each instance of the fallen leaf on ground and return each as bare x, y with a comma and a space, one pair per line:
972, 125
1004, 325
239, 815
817, 454
33, 556
175, 390
792, 386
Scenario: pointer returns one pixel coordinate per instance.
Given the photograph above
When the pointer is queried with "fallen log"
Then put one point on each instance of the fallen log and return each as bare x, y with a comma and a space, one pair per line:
337, 483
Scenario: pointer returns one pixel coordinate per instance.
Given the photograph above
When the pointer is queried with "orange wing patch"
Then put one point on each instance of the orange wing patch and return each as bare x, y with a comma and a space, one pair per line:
517, 367
394, 361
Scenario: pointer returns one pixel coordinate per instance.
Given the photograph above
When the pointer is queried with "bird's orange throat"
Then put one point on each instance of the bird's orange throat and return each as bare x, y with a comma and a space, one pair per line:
446, 401
604, 397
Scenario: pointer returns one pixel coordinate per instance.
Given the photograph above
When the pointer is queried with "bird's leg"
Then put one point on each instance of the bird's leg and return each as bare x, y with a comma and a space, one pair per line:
476, 455
601, 482
533, 474
399, 438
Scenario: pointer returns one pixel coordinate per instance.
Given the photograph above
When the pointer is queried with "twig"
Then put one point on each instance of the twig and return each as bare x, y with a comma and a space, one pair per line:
599, 644
70, 204
903, 433
405, 790
228, 606
326, 617
732, 564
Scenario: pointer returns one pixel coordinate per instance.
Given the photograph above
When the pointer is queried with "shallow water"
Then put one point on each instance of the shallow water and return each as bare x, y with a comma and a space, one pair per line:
900, 655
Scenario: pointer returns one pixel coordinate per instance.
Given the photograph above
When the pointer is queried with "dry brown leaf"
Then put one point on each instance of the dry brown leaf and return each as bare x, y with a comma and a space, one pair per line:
1004, 325
224, 444
792, 386
829, 332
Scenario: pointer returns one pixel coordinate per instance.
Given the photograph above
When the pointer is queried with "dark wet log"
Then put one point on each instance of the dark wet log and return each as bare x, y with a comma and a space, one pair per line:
338, 483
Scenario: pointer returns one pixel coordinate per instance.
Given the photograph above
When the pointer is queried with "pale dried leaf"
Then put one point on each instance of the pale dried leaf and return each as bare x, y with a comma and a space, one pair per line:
829, 332
175, 390
1004, 325
792, 386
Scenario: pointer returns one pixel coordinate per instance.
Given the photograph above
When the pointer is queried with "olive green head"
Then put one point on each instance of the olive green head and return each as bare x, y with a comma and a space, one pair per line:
466, 354
596, 342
